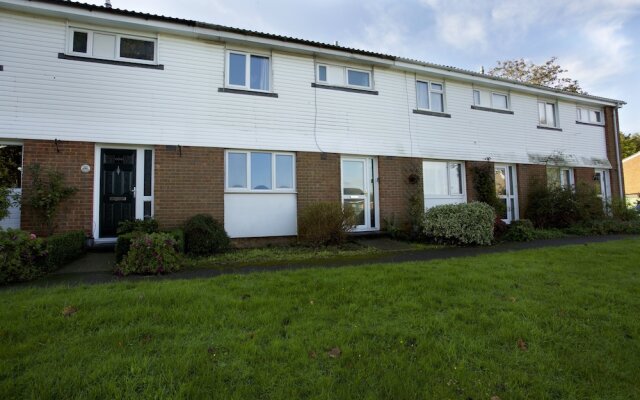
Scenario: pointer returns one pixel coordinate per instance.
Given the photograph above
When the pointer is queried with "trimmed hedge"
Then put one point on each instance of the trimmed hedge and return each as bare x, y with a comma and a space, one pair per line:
462, 224
204, 236
150, 253
63, 248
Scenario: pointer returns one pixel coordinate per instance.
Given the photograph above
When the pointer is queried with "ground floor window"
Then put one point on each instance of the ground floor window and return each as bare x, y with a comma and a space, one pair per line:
259, 171
11, 177
444, 182
560, 177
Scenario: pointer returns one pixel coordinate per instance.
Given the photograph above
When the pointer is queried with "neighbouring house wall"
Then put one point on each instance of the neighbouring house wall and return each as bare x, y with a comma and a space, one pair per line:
76, 212
610, 138
187, 183
43, 96
529, 175
397, 193
632, 175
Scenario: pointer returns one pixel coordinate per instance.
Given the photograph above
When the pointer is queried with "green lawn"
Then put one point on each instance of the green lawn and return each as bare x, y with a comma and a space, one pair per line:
559, 323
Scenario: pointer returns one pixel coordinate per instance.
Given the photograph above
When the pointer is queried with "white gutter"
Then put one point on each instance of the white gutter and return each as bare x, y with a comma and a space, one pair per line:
617, 139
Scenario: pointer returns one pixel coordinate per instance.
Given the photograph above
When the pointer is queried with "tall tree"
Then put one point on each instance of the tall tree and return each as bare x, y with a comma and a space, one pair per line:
547, 74
630, 144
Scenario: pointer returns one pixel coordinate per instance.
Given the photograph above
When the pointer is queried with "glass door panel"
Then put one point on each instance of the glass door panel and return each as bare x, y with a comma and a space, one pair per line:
359, 190
506, 190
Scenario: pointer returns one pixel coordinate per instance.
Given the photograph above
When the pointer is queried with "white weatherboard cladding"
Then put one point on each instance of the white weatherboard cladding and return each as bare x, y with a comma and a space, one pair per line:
43, 97
260, 214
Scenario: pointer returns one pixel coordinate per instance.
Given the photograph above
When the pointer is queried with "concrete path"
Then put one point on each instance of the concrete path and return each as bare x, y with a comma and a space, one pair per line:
96, 267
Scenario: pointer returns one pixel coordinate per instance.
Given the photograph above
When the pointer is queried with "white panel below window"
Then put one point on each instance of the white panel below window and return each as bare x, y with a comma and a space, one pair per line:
12, 221
260, 214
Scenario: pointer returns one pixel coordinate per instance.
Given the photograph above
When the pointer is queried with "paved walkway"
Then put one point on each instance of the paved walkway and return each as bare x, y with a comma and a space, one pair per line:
96, 267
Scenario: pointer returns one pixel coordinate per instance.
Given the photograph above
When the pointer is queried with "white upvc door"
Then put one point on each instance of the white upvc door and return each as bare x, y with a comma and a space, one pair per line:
359, 178
507, 191
603, 187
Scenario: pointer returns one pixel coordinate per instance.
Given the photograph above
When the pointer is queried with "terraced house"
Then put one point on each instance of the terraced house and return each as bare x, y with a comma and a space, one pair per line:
156, 116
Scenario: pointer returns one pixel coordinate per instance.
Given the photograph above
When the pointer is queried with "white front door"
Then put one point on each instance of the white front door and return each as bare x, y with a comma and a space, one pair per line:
603, 186
360, 190
507, 191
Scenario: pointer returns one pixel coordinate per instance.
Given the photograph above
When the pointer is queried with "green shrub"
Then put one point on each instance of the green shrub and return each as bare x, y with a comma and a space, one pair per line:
500, 228
484, 184
325, 223
123, 244
150, 253
63, 248
604, 227
621, 211
203, 235
22, 256
558, 207
463, 224
520, 231
138, 225
5, 202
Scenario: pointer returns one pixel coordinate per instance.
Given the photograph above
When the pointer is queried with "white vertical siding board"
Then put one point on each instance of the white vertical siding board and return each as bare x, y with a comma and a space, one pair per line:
42, 96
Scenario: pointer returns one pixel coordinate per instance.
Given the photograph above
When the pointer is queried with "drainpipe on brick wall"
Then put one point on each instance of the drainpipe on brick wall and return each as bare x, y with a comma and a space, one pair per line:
617, 137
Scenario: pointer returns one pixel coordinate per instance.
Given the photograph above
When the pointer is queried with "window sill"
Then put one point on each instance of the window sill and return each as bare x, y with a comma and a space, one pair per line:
110, 62
344, 89
589, 123
246, 91
550, 128
432, 113
495, 110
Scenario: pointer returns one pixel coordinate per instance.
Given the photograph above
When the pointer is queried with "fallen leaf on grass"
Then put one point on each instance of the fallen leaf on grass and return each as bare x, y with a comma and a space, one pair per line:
522, 345
69, 311
513, 299
312, 354
335, 352
495, 398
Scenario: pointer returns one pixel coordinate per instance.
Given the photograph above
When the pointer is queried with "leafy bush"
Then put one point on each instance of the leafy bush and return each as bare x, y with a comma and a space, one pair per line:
500, 227
123, 244
203, 235
520, 231
621, 211
325, 223
558, 207
464, 224
484, 184
604, 227
150, 253
22, 256
5, 202
138, 225
47, 192
63, 248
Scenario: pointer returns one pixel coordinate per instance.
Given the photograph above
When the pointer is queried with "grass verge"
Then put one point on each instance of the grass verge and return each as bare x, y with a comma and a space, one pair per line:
555, 323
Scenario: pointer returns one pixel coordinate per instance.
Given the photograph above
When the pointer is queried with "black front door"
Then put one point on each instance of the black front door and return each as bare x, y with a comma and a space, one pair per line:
117, 189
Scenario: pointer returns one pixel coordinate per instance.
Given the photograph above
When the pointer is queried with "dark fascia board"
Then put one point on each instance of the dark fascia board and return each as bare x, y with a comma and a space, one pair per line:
246, 32
495, 110
1, 67
549, 128
590, 124
344, 89
432, 113
249, 92
110, 62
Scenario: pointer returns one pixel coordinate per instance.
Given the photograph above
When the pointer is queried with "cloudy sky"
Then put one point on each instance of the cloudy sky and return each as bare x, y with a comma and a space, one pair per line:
598, 41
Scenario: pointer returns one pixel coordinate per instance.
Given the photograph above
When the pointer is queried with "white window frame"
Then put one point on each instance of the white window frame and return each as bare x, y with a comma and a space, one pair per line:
326, 68
463, 182
248, 189
479, 102
556, 119
506, 95
118, 36
346, 78
581, 117
571, 184
247, 70
429, 90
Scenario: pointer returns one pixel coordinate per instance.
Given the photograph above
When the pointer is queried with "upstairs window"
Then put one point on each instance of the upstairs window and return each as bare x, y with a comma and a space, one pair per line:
588, 115
336, 75
500, 101
476, 97
248, 71
430, 96
112, 46
547, 113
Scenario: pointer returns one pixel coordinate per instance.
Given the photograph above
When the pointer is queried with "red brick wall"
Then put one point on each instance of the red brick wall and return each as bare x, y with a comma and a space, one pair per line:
610, 138
397, 192
77, 212
187, 183
529, 175
317, 178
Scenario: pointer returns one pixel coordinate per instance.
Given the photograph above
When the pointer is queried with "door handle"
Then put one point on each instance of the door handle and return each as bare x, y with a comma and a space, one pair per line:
133, 192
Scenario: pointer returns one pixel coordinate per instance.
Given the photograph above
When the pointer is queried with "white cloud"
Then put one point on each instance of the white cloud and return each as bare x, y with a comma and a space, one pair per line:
462, 31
